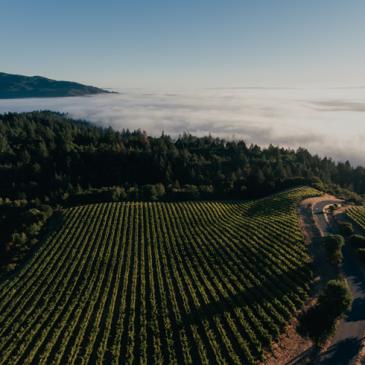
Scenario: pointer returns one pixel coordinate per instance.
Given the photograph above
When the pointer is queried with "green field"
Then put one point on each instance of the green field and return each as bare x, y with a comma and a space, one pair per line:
193, 282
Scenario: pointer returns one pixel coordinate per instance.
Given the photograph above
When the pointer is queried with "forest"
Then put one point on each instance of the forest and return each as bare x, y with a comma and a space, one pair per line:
51, 157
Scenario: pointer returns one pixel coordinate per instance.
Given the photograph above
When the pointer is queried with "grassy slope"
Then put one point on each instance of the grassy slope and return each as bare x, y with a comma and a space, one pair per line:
175, 282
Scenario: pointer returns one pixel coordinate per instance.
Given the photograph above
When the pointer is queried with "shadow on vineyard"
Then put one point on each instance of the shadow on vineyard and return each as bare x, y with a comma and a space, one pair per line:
267, 207
245, 297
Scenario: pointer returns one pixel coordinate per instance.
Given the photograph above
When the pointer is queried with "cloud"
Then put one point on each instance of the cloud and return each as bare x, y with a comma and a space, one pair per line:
286, 117
340, 105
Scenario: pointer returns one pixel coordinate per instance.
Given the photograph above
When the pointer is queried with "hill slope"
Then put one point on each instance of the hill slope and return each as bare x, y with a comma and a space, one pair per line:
18, 86
195, 282
357, 214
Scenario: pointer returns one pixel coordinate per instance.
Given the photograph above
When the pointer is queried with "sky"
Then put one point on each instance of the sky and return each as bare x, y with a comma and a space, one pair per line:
186, 44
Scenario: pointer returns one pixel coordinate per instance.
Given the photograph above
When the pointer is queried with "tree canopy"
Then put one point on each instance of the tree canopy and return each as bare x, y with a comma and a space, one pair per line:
50, 156
318, 323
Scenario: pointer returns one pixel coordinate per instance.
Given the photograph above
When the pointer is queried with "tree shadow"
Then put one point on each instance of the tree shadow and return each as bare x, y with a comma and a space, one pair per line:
357, 312
261, 208
342, 352
304, 357
249, 296
352, 268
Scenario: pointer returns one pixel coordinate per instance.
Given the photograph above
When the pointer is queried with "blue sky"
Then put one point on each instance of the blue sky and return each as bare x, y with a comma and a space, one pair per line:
190, 43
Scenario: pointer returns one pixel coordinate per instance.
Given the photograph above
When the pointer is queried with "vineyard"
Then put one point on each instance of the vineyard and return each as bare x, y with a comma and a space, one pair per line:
137, 283
357, 214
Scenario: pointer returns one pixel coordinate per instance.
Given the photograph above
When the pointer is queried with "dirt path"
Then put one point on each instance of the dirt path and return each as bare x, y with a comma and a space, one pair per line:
345, 346
347, 341
349, 336
291, 348
315, 225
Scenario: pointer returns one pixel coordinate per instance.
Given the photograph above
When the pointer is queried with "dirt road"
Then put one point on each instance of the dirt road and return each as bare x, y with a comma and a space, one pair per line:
346, 343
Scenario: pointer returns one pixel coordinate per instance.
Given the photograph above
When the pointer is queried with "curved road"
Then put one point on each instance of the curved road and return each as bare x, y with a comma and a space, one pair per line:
346, 343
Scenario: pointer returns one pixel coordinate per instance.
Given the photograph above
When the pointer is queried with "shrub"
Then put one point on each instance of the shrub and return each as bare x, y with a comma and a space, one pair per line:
346, 228
318, 322
153, 192
335, 298
315, 325
94, 195
334, 244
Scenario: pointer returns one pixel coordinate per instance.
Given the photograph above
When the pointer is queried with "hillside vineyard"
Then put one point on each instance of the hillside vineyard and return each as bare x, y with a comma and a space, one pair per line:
191, 282
357, 214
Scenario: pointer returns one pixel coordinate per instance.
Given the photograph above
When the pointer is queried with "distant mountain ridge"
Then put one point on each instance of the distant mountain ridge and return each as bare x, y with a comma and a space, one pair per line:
19, 86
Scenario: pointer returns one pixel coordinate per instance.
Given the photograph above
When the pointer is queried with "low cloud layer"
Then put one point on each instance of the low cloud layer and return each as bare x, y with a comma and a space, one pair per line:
329, 122
340, 105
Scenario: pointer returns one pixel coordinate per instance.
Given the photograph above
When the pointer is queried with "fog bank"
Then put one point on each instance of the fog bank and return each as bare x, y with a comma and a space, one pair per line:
329, 122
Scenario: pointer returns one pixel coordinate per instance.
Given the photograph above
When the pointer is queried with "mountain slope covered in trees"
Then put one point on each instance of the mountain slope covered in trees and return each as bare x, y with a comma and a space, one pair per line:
18, 86
49, 156
49, 160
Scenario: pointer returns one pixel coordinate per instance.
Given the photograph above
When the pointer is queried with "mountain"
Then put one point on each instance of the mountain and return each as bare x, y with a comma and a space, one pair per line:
19, 86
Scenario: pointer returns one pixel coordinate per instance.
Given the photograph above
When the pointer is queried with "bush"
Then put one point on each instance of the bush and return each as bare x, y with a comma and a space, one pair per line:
318, 322
100, 195
334, 244
346, 228
20, 224
335, 298
315, 325
153, 192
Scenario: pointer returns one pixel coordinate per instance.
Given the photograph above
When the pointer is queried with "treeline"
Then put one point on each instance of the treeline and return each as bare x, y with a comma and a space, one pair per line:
48, 156
158, 192
21, 223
